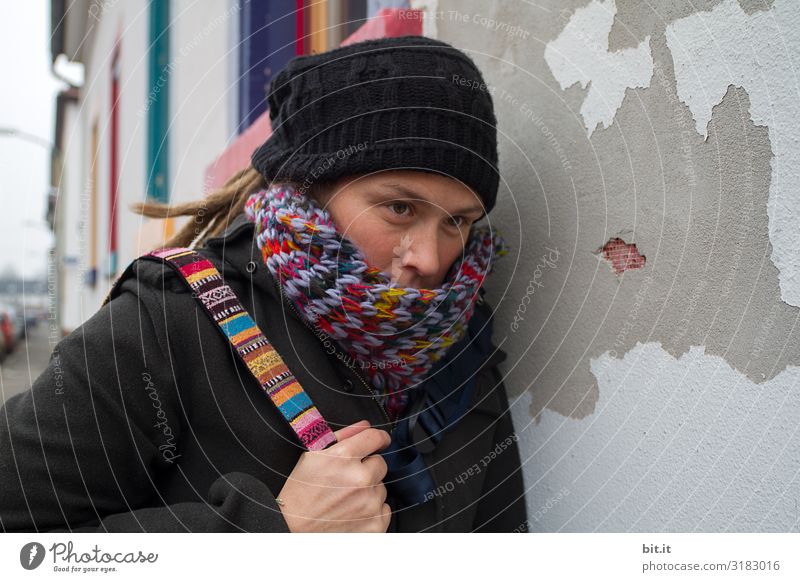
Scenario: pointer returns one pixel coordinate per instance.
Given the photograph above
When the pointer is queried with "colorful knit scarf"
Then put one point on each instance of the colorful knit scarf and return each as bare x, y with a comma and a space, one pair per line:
393, 334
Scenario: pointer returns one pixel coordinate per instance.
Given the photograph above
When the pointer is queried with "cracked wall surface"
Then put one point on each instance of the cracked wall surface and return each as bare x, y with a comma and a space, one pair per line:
727, 47
694, 166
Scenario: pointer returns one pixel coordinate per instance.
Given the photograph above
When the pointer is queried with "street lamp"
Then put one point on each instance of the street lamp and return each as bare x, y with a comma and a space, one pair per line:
14, 132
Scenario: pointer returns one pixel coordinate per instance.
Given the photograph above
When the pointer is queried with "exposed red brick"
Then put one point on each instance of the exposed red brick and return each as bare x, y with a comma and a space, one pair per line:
622, 256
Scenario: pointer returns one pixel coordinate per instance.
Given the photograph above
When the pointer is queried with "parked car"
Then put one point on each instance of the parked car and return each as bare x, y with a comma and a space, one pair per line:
20, 323
32, 318
3, 349
8, 328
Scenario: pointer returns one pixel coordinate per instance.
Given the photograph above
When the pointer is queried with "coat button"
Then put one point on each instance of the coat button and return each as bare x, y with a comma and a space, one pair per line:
251, 266
348, 385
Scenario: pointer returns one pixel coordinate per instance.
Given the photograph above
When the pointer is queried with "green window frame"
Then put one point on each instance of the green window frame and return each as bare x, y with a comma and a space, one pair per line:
157, 103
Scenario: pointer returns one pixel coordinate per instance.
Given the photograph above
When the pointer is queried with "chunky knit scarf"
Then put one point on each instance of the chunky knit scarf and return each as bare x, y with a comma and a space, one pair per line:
393, 334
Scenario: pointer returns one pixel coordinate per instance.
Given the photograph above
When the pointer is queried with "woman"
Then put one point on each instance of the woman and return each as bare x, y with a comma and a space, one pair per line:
352, 244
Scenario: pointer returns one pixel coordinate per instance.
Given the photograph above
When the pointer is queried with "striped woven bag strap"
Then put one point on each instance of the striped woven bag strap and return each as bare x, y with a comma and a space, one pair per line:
276, 380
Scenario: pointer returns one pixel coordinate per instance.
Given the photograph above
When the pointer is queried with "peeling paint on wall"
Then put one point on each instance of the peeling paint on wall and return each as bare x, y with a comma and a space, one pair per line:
673, 447
700, 205
665, 398
635, 18
725, 47
580, 55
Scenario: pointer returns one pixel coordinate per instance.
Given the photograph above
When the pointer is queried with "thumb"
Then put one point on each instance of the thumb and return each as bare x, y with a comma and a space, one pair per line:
351, 430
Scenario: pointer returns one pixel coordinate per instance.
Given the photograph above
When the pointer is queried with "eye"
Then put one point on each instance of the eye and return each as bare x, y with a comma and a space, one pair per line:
458, 221
398, 208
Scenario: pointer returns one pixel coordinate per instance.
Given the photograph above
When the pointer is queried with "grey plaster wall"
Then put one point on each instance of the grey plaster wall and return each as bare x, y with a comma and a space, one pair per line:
664, 397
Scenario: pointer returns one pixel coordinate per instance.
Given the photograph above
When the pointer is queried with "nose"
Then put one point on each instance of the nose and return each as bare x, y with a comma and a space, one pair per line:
420, 253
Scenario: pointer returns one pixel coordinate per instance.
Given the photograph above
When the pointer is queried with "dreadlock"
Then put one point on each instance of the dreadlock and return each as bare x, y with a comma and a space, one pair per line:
213, 213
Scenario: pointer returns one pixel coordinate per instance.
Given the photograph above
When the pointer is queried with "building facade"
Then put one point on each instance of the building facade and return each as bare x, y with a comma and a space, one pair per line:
173, 102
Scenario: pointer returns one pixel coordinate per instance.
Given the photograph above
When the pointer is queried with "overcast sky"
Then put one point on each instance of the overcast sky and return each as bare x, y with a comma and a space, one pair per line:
27, 103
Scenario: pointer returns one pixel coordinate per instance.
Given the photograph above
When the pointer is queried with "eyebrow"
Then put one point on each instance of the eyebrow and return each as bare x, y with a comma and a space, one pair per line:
399, 188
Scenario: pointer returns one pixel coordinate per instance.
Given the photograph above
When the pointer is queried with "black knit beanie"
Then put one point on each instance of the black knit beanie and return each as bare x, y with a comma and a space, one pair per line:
407, 102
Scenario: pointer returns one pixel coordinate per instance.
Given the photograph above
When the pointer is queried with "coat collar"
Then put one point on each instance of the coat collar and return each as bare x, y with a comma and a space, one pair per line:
238, 250
239, 224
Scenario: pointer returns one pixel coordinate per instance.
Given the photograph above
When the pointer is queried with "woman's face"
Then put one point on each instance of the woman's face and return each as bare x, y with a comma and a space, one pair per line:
412, 225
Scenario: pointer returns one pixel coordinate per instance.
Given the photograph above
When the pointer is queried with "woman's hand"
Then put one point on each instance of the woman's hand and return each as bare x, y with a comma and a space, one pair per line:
340, 489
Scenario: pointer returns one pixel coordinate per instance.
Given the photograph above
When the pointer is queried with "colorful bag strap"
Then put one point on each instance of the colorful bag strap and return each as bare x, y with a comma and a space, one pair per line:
263, 361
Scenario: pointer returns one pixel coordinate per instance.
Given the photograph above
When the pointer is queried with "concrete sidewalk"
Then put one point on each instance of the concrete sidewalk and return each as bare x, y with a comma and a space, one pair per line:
20, 369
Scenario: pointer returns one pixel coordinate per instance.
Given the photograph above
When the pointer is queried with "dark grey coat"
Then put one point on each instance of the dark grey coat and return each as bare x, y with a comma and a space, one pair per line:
145, 419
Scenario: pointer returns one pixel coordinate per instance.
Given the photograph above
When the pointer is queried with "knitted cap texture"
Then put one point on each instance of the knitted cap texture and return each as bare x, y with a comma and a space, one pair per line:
408, 102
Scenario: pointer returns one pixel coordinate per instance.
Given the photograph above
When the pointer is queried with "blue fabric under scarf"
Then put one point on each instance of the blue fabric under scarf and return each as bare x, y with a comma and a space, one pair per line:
435, 406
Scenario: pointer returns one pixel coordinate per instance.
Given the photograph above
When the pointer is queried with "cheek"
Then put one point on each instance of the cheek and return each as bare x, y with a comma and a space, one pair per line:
451, 252
371, 239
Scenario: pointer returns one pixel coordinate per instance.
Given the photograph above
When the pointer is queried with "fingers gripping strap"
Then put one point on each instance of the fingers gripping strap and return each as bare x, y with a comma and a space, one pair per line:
275, 379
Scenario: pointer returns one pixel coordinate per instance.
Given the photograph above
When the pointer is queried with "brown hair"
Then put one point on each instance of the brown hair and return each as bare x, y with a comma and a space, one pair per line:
213, 213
